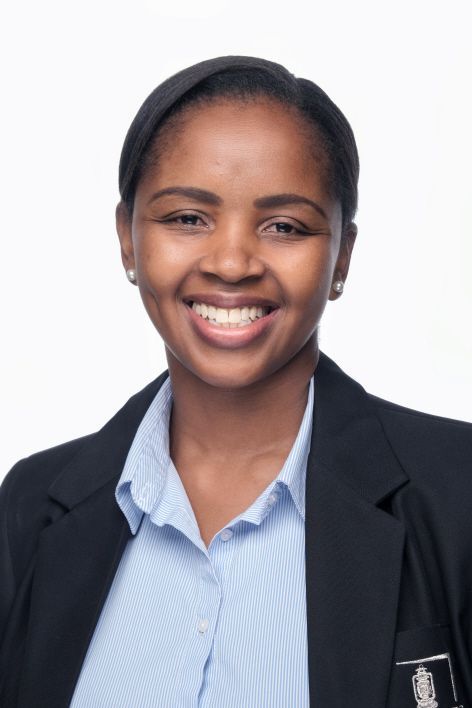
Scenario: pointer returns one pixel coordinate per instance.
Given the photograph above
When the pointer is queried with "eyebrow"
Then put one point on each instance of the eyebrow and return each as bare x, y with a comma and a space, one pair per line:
273, 200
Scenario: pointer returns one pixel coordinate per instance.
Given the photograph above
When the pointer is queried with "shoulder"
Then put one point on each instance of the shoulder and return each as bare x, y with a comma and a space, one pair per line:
428, 445
434, 504
414, 436
29, 498
429, 428
37, 471
29, 479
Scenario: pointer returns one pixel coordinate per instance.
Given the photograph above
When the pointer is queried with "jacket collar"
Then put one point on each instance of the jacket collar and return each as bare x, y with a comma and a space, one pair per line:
353, 551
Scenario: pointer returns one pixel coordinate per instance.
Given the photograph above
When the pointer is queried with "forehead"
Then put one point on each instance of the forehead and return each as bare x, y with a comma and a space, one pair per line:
255, 140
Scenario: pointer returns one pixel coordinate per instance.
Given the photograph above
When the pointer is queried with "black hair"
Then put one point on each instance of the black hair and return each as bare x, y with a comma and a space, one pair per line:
242, 77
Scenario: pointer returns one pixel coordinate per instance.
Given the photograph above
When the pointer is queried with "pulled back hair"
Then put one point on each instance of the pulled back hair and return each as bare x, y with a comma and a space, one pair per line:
242, 78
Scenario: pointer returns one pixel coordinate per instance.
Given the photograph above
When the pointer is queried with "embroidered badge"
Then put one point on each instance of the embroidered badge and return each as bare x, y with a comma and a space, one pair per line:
428, 689
423, 686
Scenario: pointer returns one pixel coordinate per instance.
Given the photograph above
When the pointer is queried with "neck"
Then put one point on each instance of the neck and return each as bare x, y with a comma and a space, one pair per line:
244, 423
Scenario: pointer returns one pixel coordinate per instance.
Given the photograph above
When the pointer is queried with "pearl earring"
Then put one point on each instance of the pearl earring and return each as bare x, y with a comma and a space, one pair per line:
131, 275
338, 286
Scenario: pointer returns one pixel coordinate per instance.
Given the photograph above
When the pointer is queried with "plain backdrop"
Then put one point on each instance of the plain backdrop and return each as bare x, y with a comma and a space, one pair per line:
76, 342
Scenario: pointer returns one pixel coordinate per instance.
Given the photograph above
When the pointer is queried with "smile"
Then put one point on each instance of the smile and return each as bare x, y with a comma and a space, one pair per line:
230, 318
231, 327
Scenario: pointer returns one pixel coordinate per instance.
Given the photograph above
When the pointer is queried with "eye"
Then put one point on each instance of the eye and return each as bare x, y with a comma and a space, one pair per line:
184, 220
187, 219
283, 227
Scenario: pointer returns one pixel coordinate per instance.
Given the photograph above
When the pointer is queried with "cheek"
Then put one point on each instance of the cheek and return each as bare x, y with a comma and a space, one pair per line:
161, 264
306, 276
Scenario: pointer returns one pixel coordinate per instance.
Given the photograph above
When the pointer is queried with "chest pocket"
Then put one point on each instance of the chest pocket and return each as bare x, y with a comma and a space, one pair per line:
424, 674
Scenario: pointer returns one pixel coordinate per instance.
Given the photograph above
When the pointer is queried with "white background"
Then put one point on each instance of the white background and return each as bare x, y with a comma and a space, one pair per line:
76, 342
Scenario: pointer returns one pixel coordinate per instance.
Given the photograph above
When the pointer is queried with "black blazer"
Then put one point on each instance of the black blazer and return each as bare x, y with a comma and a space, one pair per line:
388, 554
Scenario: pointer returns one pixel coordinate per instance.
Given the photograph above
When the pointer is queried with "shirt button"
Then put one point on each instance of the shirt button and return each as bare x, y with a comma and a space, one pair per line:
226, 534
272, 498
203, 625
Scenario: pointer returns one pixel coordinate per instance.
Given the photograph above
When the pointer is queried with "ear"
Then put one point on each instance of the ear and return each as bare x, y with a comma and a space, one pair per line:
343, 260
124, 231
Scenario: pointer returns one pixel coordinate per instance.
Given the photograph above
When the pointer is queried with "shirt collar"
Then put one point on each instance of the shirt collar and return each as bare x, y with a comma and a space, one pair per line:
144, 476
292, 476
293, 473
145, 472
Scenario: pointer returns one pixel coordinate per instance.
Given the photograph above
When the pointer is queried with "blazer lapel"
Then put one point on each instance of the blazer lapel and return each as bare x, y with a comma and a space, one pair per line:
353, 548
77, 559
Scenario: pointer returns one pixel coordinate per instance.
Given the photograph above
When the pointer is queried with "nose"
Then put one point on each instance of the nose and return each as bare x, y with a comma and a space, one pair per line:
233, 253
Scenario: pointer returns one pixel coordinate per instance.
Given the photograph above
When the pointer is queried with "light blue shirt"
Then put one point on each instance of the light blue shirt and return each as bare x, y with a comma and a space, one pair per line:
185, 626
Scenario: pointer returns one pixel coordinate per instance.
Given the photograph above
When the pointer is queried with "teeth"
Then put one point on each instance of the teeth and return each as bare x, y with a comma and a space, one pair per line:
230, 318
234, 315
221, 315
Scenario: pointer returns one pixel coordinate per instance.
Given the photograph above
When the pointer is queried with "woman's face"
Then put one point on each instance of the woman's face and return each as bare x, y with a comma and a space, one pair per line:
235, 222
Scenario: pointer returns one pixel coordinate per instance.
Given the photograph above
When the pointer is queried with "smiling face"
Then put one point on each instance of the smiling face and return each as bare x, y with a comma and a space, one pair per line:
235, 223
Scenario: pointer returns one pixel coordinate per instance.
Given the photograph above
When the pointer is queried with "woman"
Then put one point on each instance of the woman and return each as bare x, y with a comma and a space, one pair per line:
252, 528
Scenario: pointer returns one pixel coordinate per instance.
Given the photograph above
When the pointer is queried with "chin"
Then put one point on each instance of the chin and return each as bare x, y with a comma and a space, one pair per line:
225, 378
227, 374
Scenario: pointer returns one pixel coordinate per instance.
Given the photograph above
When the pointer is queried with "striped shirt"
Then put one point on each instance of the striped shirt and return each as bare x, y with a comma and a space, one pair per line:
186, 626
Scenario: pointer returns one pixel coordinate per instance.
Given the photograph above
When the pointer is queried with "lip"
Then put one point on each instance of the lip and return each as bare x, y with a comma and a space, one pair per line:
231, 338
227, 301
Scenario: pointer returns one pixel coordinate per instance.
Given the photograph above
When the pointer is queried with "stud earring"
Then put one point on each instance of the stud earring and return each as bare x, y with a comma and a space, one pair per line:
131, 275
338, 286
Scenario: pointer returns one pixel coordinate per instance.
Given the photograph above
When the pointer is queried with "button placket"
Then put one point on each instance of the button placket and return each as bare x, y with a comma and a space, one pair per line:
222, 550
208, 605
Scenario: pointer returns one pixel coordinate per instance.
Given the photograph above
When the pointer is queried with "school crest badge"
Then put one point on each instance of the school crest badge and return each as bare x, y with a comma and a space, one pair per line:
423, 687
